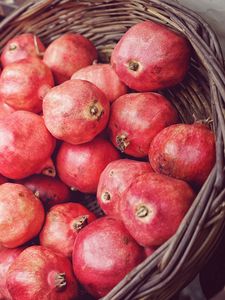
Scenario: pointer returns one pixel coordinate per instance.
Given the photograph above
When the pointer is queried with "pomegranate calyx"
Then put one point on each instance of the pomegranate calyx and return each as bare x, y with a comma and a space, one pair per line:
133, 65
80, 222
122, 142
142, 211
60, 281
106, 197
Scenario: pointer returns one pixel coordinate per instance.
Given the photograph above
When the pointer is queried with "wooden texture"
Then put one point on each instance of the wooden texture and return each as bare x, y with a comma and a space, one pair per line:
201, 97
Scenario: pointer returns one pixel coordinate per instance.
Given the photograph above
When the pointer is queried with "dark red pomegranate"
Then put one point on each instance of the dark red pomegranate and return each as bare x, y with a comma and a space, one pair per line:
75, 111
104, 252
80, 166
105, 78
7, 258
21, 215
20, 47
50, 191
62, 225
136, 119
185, 152
24, 84
40, 273
67, 54
114, 180
153, 207
151, 56
25, 144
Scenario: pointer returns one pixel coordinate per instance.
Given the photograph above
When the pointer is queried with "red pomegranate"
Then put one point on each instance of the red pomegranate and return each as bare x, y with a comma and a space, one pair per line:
149, 251
155, 205
48, 168
3, 179
7, 258
185, 152
5, 110
105, 78
24, 84
150, 56
20, 47
75, 111
67, 54
62, 225
80, 166
25, 144
40, 273
135, 120
104, 252
114, 180
50, 191
21, 215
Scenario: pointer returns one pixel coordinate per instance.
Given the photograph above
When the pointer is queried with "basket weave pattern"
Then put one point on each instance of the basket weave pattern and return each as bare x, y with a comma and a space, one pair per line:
200, 97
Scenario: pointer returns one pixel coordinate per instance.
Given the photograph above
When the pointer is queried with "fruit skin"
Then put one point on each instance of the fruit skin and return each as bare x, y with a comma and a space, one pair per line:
24, 84
105, 78
7, 258
50, 191
21, 215
135, 120
75, 111
104, 252
67, 54
155, 205
185, 152
80, 166
151, 56
39, 273
62, 225
25, 144
5, 110
114, 180
20, 47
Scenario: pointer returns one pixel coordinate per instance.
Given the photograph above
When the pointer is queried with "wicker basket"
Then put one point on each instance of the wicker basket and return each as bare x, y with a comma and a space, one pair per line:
200, 97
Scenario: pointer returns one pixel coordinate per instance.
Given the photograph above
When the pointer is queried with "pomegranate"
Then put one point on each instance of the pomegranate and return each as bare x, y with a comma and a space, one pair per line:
105, 78
135, 120
40, 273
151, 56
3, 179
154, 205
20, 47
48, 168
63, 222
67, 54
24, 84
7, 258
50, 191
114, 180
185, 152
80, 166
21, 215
5, 110
149, 251
104, 252
25, 144
75, 111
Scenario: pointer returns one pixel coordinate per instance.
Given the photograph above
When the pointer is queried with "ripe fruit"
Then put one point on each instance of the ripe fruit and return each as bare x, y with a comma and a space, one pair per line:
136, 119
154, 205
7, 258
62, 225
105, 78
80, 166
39, 273
104, 252
25, 144
185, 152
50, 191
151, 56
20, 47
67, 54
114, 180
21, 215
75, 111
24, 84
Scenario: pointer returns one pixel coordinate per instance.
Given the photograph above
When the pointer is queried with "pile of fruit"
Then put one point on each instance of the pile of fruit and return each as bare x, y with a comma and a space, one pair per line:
67, 124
